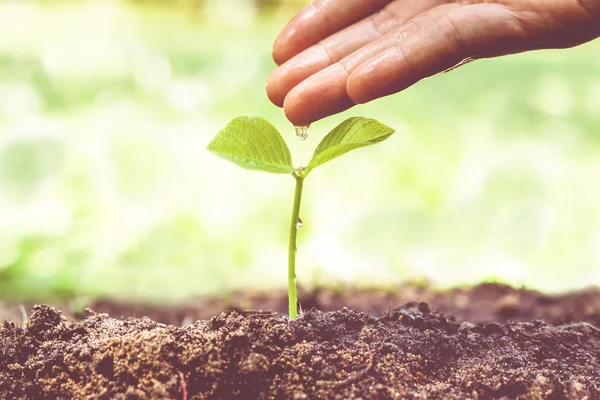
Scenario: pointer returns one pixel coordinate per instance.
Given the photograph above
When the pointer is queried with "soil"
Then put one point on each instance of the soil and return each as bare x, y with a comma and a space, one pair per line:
487, 302
487, 342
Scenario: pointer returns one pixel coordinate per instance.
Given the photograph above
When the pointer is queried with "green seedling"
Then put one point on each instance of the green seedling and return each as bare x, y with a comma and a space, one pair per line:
253, 143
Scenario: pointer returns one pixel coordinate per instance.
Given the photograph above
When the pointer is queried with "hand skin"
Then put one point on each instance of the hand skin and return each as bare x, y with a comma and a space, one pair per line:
338, 53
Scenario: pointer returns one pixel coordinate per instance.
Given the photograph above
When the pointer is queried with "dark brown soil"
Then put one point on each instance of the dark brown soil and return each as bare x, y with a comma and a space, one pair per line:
408, 352
483, 303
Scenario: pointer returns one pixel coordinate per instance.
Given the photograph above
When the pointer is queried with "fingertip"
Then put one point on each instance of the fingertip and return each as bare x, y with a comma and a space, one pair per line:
358, 86
316, 98
273, 89
295, 110
280, 51
296, 119
289, 42
287, 76
354, 88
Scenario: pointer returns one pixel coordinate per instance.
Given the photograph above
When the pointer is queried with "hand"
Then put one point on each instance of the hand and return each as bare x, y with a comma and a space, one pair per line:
338, 53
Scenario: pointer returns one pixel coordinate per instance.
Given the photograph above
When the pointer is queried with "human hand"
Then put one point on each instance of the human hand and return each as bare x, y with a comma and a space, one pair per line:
338, 53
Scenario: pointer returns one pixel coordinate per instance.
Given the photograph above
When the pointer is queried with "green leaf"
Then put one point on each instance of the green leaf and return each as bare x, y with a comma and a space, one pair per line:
349, 135
253, 143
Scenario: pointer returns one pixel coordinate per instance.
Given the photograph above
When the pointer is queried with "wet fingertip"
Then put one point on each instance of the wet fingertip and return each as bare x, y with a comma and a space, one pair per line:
294, 112
291, 114
278, 49
295, 119
282, 50
273, 98
357, 87
273, 91
277, 54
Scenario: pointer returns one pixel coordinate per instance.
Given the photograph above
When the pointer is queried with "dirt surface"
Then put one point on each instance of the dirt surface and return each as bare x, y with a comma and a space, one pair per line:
409, 352
482, 303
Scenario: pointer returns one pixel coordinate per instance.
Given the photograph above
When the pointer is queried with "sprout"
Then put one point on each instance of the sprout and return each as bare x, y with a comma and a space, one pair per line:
253, 143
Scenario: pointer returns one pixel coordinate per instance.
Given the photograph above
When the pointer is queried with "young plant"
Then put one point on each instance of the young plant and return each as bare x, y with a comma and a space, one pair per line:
253, 143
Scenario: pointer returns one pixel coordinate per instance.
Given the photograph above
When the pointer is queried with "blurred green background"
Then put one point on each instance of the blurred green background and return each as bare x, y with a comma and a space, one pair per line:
106, 188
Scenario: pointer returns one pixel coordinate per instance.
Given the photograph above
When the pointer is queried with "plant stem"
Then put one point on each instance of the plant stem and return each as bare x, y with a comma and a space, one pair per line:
293, 249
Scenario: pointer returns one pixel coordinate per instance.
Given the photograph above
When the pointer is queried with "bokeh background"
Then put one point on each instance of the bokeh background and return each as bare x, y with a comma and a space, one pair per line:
106, 188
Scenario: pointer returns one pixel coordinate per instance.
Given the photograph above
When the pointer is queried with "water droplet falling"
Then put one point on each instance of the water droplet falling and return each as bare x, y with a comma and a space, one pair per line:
299, 223
302, 132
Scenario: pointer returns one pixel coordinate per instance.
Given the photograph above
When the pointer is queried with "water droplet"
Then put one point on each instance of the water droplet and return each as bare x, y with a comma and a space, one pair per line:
302, 132
299, 223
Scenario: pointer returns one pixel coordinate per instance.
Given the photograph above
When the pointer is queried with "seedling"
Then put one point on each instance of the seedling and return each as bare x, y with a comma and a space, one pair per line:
253, 143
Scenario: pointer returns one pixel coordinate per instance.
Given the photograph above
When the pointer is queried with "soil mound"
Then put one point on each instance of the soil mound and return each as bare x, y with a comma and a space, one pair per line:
410, 352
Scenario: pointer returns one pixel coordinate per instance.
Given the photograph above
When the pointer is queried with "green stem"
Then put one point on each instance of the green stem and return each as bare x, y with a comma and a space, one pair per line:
293, 308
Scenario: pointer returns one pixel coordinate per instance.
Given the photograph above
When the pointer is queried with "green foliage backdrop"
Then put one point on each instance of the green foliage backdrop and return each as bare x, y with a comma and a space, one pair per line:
106, 188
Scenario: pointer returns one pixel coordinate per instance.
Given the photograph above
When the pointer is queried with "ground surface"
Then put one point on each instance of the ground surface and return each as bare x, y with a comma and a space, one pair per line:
408, 352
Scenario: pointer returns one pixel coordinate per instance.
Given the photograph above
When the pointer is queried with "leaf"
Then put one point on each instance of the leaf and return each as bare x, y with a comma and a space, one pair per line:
253, 143
351, 134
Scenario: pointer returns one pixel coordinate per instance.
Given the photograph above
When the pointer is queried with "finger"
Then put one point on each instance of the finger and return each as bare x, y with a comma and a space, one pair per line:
320, 95
324, 93
341, 44
442, 41
319, 20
